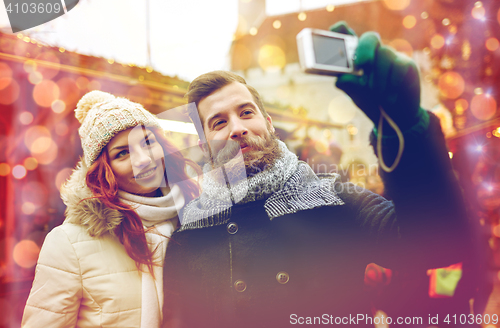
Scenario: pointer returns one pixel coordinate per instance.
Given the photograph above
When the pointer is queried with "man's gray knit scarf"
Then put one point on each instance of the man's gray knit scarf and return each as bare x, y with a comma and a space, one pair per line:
289, 186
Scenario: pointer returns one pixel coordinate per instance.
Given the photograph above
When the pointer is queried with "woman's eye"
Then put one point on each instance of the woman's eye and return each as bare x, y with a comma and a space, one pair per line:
122, 153
150, 141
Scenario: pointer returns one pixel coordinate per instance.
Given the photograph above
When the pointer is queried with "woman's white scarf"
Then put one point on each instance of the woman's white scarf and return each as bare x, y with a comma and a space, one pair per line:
161, 215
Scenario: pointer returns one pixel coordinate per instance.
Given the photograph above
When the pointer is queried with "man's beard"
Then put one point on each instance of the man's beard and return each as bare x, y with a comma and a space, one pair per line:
263, 154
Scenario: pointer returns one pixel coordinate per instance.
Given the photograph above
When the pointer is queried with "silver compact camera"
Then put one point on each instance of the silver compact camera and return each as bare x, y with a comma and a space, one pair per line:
327, 53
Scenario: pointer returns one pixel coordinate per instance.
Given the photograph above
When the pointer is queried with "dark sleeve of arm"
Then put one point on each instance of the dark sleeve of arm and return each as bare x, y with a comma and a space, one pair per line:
427, 213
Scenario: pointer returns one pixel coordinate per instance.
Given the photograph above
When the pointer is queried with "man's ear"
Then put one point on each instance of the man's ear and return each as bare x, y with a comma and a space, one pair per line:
204, 148
270, 121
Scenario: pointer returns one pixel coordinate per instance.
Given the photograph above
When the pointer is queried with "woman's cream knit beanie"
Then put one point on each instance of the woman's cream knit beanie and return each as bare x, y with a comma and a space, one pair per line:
102, 116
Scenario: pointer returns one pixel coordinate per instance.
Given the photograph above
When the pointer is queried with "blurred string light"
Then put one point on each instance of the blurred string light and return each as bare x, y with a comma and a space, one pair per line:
45, 93
30, 163
397, 4
461, 106
58, 106
25, 253
492, 44
478, 11
302, 16
271, 57
25, 118
253, 31
277, 24
330, 8
4, 169
409, 21
483, 106
424, 15
19, 172
446, 22
451, 85
437, 41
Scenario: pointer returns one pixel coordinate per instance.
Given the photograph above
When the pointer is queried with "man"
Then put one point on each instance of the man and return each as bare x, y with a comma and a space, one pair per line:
270, 244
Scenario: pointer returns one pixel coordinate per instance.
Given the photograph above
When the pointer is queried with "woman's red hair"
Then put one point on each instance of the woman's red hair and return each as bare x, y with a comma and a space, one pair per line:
101, 181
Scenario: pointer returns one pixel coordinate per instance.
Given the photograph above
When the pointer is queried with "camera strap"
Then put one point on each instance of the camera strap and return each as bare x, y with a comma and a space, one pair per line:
383, 115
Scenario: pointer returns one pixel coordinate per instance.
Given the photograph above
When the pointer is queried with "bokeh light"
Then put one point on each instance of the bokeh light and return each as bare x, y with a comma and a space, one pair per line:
242, 57
10, 92
47, 156
82, 82
409, 21
25, 118
35, 77
403, 46
330, 8
28, 208
94, 85
483, 106
4, 169
437, 41
34, 133
19, 172
342, 109
277, 24
58, 106
397, 4
271, 57
445, 21
253, 31
69, 91
451, 85
62, 176
40, 145
30, 163
53, 67
424, 15
478, 11
26, 253
30, 66
5, 75
461, 106
302, 16
45, 92
492, 44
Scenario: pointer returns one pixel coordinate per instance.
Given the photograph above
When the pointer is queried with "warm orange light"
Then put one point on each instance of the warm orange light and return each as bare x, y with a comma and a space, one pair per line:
28, 208
4, 169
29, 66
62, 176
409, 21
478, 12
277, 24
30, 163
10, 92
82, 82
492, 44
35, 77
461, 106
40, 145
437, 41
26, 253
302, 16
483, 106
26, 118
47, 156
33, 133
330, 8
69, 91
496, 231
5, 75
45, 92
271, 57
403, 46
397, 4
58, 106
19, 172
451, 85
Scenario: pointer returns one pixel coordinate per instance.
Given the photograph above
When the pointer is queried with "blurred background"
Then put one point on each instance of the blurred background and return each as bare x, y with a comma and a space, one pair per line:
149, 51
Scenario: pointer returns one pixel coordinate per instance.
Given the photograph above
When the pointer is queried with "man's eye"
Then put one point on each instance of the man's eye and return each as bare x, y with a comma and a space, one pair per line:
246, 112
218, 124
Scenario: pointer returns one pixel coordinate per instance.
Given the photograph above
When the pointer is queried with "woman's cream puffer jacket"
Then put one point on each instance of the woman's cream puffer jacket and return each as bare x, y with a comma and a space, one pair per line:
84, 277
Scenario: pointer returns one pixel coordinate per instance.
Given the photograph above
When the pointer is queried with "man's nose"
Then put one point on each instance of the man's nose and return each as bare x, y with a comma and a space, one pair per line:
238, 129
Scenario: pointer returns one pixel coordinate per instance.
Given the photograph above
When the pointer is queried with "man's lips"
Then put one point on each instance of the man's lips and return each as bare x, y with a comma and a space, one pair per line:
245, 148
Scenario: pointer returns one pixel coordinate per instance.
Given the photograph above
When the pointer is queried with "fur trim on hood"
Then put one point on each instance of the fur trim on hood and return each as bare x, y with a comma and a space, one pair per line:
90, 213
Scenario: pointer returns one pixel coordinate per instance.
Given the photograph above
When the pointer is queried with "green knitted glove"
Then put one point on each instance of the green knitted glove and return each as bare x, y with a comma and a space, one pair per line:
390, 80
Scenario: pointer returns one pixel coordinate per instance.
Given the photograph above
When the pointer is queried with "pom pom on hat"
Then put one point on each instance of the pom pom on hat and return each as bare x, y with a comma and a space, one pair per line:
88, 101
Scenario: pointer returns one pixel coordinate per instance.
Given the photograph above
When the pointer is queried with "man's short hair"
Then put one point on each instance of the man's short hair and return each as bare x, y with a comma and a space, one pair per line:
206, 84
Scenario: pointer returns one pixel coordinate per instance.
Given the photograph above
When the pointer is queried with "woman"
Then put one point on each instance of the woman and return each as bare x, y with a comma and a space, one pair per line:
103, 266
